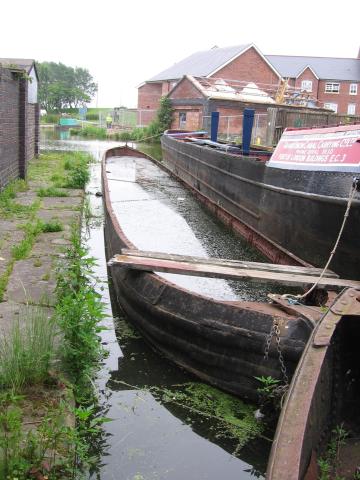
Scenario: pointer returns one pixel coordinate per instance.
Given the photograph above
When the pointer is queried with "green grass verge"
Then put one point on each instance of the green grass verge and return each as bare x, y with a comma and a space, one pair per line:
61, 170
52, 192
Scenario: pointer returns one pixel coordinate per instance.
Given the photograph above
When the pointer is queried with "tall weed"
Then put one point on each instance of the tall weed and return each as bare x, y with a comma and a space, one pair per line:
79, 310
27, 353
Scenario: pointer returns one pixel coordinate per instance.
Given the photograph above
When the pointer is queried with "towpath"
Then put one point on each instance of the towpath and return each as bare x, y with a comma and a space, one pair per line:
28, 259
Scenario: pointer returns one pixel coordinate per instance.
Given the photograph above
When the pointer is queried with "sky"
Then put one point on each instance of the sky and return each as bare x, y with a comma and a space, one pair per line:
125, 42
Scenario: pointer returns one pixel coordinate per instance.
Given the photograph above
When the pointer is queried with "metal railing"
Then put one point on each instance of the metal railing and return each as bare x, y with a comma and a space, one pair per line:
231, 126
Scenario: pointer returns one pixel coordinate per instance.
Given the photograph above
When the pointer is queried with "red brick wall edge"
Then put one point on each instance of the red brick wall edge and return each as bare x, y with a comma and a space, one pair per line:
19, 127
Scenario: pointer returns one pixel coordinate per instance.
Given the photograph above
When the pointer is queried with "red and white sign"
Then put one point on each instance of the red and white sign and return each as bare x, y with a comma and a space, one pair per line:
328, 148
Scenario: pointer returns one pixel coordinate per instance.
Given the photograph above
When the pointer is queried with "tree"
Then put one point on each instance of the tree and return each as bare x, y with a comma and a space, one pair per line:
61, 86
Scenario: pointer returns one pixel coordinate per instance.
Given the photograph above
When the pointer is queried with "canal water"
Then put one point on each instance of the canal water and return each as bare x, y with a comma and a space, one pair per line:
154, 434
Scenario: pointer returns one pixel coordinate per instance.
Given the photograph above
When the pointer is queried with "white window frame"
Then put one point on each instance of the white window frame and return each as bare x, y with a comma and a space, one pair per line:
332, 87
351, 109
306, 85
353, 89
182, 119
331, 106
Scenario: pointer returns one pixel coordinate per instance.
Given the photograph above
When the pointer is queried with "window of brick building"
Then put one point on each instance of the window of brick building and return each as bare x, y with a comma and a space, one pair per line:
351, 109
332, 87
306, 85
353, 89
331, 106
182, 119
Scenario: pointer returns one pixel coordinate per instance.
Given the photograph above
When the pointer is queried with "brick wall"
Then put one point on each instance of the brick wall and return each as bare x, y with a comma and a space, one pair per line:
249, 67
194, 117
307, 74
185, 89
19, 127
343, 98
149, 96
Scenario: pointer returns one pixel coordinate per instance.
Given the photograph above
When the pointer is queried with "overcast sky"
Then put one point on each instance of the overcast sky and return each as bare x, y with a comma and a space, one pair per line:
124, 42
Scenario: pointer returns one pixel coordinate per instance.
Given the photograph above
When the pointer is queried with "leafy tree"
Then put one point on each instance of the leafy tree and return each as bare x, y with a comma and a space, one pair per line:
61, 86
164, 114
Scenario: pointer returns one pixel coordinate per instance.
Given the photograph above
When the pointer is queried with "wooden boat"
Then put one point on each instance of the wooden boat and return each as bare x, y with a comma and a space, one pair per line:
221, 342
321, 411
289, 204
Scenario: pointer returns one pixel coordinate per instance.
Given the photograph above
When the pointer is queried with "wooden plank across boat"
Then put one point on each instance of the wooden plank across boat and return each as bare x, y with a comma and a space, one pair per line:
324, 394
213, 268
221, 342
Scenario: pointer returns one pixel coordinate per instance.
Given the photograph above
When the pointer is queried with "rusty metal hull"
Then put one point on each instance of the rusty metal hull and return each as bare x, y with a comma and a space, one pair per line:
293, 217
221, 342
324, 393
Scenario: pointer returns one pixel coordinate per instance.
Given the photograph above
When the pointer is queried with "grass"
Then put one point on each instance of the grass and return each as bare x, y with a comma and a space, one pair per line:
4, 279
61, 170
52, 192
9, 207
90, 131
52, 226
27, 353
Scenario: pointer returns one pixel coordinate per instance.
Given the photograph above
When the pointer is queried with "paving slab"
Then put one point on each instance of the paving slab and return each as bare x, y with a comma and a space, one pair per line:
26, 198
61, 202
66, 217
33, 281
11, 312
9, 225
50, 244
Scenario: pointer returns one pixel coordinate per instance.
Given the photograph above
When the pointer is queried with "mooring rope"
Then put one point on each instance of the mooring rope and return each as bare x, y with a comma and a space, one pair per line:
143, 139
352, 193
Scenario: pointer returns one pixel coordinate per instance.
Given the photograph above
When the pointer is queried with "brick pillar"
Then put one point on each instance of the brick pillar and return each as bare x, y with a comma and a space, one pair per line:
22, 126
37, 129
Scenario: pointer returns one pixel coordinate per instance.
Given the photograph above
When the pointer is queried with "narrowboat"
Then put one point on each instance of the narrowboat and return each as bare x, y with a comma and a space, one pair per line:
289, 204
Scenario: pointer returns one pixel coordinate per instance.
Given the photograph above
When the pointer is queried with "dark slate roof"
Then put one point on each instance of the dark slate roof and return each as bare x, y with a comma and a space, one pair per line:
325, 68
22, 63
201, 64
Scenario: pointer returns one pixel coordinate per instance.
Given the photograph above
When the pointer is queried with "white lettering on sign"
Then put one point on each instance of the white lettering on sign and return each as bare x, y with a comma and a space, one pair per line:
335, 147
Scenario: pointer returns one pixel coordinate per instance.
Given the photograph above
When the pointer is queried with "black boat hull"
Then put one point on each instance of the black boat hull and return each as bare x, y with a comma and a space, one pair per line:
222, 343
293, 217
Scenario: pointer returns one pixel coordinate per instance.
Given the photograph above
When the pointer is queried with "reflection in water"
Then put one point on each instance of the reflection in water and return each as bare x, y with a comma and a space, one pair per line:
146, 439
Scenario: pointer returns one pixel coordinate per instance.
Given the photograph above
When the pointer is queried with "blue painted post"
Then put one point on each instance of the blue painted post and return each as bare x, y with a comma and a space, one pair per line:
214, 126
248, 123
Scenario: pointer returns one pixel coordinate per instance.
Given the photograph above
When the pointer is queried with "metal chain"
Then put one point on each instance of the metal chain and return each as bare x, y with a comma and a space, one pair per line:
278, 348
268, 341
275, 332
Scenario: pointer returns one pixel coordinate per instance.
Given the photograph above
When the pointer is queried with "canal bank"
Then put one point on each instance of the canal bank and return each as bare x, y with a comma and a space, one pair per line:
40, 222
158, 429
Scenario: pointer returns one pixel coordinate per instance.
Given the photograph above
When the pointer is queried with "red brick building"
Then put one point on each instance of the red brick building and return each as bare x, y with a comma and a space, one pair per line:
330, 82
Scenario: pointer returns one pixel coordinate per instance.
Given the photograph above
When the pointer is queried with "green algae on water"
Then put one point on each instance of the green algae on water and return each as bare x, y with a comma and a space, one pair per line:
230, 417
124, 330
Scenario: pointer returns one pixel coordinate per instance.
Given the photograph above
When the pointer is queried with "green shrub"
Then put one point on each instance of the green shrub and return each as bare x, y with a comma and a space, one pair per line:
53, 225
92, 116
90, 131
